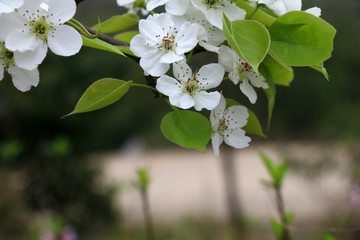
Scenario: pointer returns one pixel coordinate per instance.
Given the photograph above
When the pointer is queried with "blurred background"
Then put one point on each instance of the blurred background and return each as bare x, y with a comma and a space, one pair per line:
73, 177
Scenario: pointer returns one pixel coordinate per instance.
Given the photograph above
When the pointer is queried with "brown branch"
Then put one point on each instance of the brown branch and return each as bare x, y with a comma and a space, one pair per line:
107, 38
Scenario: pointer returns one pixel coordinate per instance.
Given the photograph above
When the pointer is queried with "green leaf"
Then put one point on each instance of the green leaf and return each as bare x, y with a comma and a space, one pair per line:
187, 129
100, 94
126, 36
327, 236
253, 125
277, 228
250, 39
269, 165
143, 178
280, 73
270, 93
320, 68
126, 49
301, 39
117, 23
99, 44
289, 217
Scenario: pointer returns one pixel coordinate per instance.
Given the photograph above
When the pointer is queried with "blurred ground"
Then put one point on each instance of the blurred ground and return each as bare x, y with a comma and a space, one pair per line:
188, 183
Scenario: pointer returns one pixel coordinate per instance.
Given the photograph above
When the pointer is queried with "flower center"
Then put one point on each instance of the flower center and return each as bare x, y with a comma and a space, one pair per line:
167, 44
222, 127
212, 3
243, 68
191, 86
41, 28
6, 55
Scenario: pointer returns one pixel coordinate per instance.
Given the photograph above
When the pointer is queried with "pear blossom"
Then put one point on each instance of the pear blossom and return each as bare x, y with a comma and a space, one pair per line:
8, 6
226, 125
212, 37
281, 7
213, 11
174, 7
239, 70
39, 24
188, 89
22, 79
163, 40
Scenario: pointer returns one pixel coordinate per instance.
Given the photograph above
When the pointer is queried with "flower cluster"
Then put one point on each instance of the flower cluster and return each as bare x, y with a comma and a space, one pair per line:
166, 37
28, 29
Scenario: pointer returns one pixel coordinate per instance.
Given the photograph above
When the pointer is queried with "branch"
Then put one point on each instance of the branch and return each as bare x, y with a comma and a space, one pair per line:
107, 38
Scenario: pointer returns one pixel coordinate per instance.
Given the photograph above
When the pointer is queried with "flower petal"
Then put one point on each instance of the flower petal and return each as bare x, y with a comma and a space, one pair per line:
182, 100
7, 6
30, 59
138, 45
217, 113
226, 58
177, 7
248, 90
65, 41
236, 138
168, 85
186, 37
257, 80
210, 75
314, 11
206, 100
216, 141
236, 116
182, 71
150, 62
18, 40
61, 11
233, 12
24, 79
171, 57
2, 63
152, 4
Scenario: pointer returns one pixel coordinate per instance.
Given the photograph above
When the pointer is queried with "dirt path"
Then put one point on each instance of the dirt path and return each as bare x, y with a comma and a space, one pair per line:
188, 183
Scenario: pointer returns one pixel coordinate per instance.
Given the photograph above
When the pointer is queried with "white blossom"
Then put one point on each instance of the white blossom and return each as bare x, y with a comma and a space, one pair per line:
39, 24
174, 7
22, 79
7, 6
163, 40
281, 7
212, 37
214, 10
241, 71
226, 124
188, 89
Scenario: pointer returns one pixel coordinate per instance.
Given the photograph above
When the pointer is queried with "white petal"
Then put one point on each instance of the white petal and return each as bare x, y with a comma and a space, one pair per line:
248, 90
24, 79
168, 85
217, 113
209, 47
257, 80
210, 75
30, 59
124, 2
234, 76
236, 116
186, 37
7, 6
185, 101
216, 141
65, 41
236, 138
206, 100
214, 16
314, 11
177, 7
150, 30
150, 62
233, 12
152, 4
226, 58
182, 71
171, 57
21, 41
292, 5
61, 11
138, 45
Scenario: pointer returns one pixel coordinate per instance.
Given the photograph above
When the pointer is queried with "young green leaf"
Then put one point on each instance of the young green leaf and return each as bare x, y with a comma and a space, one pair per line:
320, 68
187, 129
270, 93
249, 38
117, 23
143, 179
301, 39
327, 236
101, 45
280, 73
277, 228
100, 94
126, 36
